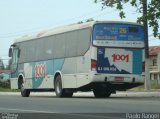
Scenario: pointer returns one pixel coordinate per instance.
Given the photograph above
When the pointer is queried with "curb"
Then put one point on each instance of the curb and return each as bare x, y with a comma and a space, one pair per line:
90, 94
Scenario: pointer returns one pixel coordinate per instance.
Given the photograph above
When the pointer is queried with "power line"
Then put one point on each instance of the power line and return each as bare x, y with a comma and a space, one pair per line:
15, 34
4, 59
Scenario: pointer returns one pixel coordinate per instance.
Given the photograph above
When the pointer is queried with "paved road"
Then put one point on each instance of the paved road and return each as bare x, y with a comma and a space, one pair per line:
81, 105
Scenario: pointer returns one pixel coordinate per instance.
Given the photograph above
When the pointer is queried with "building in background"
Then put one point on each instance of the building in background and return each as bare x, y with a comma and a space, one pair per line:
154, 57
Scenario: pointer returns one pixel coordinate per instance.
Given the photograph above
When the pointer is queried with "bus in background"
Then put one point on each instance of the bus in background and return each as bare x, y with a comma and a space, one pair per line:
103, 57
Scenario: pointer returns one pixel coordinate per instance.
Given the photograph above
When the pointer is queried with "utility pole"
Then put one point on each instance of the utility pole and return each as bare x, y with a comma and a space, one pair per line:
145, 23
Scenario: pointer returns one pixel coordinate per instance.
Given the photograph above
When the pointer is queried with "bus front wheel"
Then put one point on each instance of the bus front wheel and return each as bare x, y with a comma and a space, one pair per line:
24, 92
60, 92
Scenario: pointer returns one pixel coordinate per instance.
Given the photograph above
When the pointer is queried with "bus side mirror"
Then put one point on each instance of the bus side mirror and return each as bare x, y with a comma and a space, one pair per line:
10, 52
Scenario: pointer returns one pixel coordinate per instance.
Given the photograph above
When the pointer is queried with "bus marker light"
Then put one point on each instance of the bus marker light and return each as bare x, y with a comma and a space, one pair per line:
93, 65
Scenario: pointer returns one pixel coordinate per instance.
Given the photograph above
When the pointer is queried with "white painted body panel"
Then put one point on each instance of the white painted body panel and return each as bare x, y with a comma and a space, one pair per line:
14, 83
75, 71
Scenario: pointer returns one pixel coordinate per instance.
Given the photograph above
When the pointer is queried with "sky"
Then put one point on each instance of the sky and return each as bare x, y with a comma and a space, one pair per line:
23, 17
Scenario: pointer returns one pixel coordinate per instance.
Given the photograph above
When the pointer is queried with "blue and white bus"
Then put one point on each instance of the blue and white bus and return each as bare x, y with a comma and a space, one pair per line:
103, 57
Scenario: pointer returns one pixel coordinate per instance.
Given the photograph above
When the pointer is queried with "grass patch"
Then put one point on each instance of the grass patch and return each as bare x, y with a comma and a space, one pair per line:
5, 84
8, 90
5, 87
154, 85
139, 88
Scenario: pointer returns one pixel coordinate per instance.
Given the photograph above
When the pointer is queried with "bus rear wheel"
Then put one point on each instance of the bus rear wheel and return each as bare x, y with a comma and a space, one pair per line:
60, 92
24, 92
101, 92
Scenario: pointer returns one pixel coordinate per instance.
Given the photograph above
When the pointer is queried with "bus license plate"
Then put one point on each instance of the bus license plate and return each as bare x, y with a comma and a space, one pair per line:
119, 78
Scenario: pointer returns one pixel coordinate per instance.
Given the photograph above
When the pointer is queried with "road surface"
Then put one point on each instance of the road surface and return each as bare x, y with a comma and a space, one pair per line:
82, 105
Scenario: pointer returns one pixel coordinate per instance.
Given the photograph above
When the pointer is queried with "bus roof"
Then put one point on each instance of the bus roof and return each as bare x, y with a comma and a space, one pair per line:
64, 29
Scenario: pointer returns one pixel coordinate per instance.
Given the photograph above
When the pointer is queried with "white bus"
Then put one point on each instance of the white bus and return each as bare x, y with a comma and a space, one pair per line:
103, 57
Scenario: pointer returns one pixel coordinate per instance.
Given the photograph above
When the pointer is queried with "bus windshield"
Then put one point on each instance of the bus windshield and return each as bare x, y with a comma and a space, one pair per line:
118, 35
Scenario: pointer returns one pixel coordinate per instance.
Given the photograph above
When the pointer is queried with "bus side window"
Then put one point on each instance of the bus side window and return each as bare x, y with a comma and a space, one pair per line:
15, 58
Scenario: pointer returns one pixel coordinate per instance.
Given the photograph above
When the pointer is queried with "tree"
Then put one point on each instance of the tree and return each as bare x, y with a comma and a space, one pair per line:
9, 64
1, 64
153, 12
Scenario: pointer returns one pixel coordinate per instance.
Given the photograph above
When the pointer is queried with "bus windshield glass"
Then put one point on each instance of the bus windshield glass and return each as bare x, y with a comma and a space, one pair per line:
118, 35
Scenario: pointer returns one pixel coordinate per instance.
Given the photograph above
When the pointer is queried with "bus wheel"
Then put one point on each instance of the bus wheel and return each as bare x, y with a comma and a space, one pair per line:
99, 93
60, 92
24, 92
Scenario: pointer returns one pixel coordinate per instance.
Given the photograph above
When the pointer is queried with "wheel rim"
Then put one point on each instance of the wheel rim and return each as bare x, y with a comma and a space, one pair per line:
58, 87
22, 87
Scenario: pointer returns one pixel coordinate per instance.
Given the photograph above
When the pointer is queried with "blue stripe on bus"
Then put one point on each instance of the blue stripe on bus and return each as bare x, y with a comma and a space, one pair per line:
51, 67
58, 63
137, 61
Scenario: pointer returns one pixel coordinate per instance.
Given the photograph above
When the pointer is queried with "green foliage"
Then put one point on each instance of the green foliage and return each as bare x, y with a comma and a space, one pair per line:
1, 64
153, 12
9, 64
5, 87
155, 84
8, 90
5, 84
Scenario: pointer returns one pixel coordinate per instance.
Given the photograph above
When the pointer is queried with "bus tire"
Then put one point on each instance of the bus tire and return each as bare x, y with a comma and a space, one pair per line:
24, 92
60, 92
99, 93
